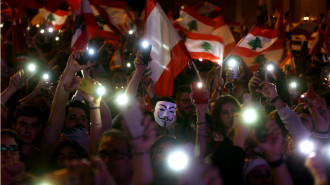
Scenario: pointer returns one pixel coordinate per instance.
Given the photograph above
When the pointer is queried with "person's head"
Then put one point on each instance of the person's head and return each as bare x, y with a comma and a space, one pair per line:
11, 148
27, 123
183, 100
256, 171
118, 79
76, 113
65, 152
161, 146
240, 87
165, 111
115, 151
223, 111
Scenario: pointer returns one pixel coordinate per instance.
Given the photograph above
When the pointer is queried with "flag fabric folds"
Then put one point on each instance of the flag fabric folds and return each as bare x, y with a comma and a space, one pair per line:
169, 55
256, 42
57, 18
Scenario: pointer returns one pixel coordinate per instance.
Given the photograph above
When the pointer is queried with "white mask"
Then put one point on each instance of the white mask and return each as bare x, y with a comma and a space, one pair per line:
165, 113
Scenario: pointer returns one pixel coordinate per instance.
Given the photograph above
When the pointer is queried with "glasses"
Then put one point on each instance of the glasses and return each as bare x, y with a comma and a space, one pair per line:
13, 149
113, 155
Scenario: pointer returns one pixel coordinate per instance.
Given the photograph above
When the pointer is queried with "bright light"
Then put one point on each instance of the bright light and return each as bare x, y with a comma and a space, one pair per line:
250, 115
45, 183
100, 91
42, 31
302, 96
45, 76
306, 146
130, 32
293, 85
145, 44
178, 160
200, 59
232, 63
91, 51
32, 67
128, 64
28, 28
306, 18
122, 99
57, 38
270, 67
1, 25
50, 30
37, 25
199, 84
328, 151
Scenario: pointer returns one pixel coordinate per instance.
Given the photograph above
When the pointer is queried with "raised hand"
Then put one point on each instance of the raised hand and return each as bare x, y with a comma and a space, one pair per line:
320, 113
254, 83
17, 81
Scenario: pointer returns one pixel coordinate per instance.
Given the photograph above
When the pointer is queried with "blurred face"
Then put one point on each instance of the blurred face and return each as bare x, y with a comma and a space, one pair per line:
28, 128
226, 114
114, 153
160, 152
66, 155
119, 81
9, 150
307, 120
165, 113
185, 105
260, 175
76, 116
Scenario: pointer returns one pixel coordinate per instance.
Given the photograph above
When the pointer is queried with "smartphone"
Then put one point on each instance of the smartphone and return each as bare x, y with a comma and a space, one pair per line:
85, 57
197, 93
88, 86
133, 117
146, 53
235, 71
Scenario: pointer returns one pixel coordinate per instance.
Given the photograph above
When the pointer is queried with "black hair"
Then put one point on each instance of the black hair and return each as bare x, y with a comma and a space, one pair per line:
182, 89
16, 137
166, 98
78, 104
28, 110
67, 143
160, 140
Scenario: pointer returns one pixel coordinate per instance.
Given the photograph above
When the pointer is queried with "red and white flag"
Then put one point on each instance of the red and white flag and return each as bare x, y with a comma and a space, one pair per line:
207, 9
57, 18
256, 42
222, 30
288, 65
169, 54
203, 46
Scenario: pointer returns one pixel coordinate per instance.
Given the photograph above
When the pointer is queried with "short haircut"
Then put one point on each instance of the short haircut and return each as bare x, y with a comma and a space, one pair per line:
166, 98
28, 110
78, 104
160, 140
15, 136
182, 89
118, 134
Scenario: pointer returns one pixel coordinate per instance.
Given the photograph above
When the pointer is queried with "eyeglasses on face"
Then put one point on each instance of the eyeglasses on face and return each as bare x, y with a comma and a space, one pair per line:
13, 149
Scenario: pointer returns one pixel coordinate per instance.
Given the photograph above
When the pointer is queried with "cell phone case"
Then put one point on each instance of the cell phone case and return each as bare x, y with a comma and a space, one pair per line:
197, 94
87, 86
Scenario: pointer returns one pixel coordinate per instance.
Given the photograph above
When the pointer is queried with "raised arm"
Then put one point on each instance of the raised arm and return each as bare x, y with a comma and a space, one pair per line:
16, 82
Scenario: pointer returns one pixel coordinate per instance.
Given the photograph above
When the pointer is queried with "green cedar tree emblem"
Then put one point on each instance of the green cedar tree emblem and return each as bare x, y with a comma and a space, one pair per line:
51, 17
100, 21
256, 43
207, 46
192, 25
260, 59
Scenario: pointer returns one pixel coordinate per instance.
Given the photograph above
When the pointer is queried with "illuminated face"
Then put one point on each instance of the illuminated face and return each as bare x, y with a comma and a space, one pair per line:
165, 113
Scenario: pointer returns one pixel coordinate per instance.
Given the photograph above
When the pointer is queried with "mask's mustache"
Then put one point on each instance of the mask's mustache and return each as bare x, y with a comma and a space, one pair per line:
165, 118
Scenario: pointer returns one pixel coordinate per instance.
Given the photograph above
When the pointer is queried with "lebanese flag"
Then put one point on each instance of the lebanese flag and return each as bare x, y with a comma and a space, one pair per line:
191, 20
57, 19
288, 65
256, 42
207, 9
274, 54
168, 52
207, 47
222, 30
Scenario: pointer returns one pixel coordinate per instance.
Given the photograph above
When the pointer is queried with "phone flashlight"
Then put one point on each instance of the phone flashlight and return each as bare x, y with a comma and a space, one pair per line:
128, 65
100, 91
270, 67
122, 99
200, 59
145, 44
232, 63
50, 30
293, 85
178, 160
306, 146
45, 76
57, 38
91, 51
199, 84
32, 67
42, 31
250, 115
130, 32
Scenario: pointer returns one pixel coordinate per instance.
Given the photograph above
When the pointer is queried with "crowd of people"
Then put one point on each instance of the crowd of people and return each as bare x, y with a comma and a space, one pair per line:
225, 128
